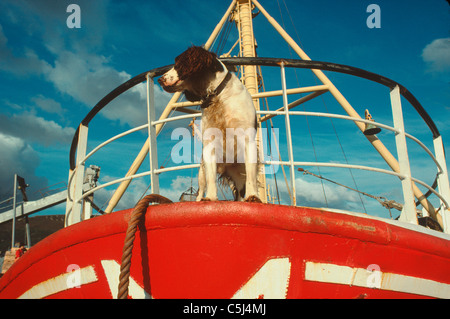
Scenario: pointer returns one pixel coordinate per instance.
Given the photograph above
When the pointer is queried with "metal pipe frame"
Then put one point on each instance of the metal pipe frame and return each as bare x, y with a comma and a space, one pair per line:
290, 163
13, 230
303, 64
288, 136
409, 206
362, 167
153, 155
354, 119
145, 148
293, 104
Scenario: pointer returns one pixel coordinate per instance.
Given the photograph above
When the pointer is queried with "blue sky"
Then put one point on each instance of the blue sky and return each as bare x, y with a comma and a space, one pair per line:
51, 76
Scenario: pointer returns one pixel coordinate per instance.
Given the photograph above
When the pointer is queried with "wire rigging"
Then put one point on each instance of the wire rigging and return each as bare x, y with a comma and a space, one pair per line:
298, 84
326, 108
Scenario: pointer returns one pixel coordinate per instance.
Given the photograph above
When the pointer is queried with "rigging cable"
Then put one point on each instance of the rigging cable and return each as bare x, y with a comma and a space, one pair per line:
382, 200
324, 103
223, 38
270, 144
306, 118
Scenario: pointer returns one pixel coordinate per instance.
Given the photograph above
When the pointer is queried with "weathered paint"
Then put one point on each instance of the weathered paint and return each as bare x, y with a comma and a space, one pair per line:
65, 281
112, 273
361, 277
271, 281
223, 249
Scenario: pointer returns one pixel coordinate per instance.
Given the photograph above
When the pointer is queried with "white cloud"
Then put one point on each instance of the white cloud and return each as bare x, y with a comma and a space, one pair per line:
46, 20
437, 55
26, 64
129, 199
311, 194
32, 128
336, 196
18, 157
75, 67
47, 104
178, 186
88, 78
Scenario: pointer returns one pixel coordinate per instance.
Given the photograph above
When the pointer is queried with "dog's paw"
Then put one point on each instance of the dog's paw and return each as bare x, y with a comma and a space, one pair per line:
253, 199
205, 199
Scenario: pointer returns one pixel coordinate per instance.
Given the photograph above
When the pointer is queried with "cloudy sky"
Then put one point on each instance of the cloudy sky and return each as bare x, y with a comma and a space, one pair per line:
52, 75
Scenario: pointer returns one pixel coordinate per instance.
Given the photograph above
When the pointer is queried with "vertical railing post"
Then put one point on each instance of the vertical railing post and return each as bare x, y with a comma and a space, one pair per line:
76, 180
409, 208
13, 236
443, 183
27, 230
288, 135
153, 152
87, 208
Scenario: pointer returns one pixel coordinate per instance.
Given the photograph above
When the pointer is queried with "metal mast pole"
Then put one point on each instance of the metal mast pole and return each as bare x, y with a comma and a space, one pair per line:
247, 43
145, 148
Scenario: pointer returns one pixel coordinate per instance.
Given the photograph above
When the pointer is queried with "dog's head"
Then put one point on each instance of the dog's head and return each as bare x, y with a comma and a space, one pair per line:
193, 69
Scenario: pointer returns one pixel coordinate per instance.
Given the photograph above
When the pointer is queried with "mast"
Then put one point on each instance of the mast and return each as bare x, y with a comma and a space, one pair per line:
168, 109
242, 13
247, 46
247, 41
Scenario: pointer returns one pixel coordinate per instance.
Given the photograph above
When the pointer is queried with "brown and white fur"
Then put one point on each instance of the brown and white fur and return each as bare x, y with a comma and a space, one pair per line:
199, 74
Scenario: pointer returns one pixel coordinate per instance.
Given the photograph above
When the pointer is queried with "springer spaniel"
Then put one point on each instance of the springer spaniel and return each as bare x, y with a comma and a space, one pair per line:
227, 111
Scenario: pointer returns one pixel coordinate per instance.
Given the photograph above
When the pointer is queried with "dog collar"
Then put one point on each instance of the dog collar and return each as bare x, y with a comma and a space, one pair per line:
217, 91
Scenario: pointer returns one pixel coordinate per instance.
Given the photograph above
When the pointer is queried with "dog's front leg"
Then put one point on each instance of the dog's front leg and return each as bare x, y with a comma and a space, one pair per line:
251, 170
201, 182
210, 175
211, 151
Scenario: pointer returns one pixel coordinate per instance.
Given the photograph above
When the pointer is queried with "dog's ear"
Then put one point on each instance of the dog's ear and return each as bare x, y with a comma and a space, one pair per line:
210, 61
216, 66
194, 60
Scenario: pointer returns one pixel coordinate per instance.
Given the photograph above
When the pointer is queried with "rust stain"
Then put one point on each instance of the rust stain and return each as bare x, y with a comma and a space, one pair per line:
359, 227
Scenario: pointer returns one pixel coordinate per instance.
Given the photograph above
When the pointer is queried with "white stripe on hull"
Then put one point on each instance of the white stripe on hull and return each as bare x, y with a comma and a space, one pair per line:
344, 275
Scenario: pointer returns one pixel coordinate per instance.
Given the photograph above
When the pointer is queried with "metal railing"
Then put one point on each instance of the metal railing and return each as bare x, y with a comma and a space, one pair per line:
409, 214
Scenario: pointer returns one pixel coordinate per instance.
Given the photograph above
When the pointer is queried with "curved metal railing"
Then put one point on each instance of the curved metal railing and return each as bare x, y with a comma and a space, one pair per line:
78, 159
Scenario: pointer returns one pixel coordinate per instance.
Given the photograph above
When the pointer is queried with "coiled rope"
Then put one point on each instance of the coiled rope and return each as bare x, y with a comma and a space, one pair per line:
136, 217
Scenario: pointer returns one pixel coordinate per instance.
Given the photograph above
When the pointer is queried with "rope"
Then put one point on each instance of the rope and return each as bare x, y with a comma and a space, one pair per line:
136, 217
382, 200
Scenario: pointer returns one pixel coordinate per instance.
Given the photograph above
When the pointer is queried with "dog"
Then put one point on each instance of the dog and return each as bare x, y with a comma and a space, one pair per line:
228, 124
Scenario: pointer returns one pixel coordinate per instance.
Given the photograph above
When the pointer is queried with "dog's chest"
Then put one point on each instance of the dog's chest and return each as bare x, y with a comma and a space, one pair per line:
216, 116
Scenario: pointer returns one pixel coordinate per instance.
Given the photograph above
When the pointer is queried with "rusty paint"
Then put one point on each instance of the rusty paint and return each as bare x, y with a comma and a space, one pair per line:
211, 249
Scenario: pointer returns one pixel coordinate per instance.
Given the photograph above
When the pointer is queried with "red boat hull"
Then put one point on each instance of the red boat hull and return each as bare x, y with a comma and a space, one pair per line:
234, 249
